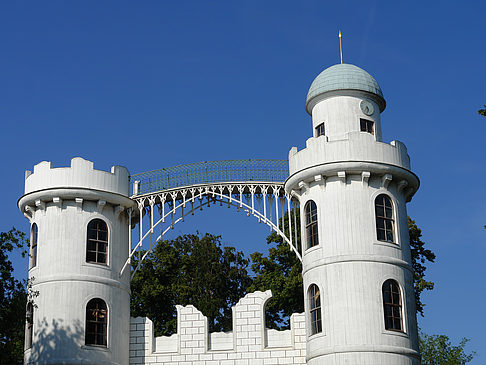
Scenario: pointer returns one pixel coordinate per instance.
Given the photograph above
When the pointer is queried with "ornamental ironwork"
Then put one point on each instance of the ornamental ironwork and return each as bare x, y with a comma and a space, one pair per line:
210, 172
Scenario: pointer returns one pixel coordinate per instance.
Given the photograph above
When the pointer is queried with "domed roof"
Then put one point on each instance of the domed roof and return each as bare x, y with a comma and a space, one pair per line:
344, 77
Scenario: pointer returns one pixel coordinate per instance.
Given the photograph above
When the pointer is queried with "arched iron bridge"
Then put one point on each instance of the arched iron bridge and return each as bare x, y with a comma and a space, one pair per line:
166, 196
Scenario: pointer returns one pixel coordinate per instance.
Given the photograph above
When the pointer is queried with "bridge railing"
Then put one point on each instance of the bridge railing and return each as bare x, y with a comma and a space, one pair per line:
211, 172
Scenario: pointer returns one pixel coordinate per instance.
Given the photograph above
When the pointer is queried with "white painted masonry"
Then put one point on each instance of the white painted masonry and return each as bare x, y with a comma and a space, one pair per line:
342, 171
249, 343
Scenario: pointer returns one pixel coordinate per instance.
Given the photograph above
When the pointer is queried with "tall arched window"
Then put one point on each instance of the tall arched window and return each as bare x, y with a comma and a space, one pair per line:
315, 309
96, 322
384, 218
311, 224
33, 245
392, 305
29, 324
97, 243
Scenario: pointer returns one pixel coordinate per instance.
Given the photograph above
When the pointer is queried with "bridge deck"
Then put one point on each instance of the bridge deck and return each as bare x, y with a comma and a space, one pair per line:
211, 172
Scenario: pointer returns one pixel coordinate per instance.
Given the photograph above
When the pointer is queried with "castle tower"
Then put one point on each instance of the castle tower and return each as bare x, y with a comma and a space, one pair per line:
352, 187
79, 243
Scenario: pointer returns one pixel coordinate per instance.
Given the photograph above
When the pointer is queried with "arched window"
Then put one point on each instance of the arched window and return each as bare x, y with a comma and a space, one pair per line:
97, 244
315, 309
96, 322
384, 218
29, 324
392, 305
311, 224
33, 245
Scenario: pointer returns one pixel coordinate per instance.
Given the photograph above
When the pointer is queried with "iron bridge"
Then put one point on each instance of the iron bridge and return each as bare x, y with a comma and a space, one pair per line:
165, 197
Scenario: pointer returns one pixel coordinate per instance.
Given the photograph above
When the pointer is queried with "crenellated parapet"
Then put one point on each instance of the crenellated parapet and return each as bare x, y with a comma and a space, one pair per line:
358, 155
78, 183
249, 341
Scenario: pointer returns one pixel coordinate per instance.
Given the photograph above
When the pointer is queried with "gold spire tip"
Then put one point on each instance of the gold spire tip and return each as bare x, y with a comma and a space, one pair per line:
340, 47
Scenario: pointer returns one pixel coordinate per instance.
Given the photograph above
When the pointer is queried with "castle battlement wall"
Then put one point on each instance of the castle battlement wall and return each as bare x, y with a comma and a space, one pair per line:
249, 342
81, 174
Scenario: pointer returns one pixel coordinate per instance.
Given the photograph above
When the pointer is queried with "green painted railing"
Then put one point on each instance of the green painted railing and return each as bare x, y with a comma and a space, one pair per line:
211, 172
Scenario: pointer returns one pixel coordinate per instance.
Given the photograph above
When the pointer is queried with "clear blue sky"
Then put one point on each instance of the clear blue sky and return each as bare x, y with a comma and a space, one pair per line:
153, 84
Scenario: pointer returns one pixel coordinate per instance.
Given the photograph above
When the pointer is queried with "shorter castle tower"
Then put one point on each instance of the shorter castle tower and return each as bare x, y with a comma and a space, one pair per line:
79, 243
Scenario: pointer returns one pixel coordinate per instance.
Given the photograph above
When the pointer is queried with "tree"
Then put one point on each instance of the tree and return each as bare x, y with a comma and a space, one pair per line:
280, 271
438, 350
13, 300
189, 270
482, 111
419, 257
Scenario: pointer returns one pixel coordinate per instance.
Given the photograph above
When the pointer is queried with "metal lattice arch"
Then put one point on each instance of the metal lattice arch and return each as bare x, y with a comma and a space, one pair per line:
165, 197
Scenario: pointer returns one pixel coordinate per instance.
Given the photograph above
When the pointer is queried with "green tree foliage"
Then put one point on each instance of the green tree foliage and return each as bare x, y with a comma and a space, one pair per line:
420, 255
190, 270
280, 271
13, 300
438, 350
482, 111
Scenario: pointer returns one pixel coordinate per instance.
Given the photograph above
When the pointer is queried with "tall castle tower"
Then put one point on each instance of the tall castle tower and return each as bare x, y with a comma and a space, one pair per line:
352, 187
79, 243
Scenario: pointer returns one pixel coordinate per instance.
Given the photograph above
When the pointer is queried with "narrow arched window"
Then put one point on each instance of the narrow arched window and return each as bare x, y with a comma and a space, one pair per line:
96, 322
33, 245
384, 218
311, 224
29, 325
315, 309
392, 305
97, 244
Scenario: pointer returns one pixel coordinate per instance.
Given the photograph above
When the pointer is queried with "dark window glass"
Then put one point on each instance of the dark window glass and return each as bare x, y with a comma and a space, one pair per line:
311, 224
392, 305
320, 130
96, 322
367, 126
384, 218
97, 242
33, 245
29, 325
315, 309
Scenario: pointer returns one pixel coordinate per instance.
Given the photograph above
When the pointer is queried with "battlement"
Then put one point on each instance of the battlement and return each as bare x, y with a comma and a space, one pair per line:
356, 146
81, 174
249, 340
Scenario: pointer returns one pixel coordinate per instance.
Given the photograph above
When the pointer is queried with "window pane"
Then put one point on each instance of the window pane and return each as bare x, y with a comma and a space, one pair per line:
103, 235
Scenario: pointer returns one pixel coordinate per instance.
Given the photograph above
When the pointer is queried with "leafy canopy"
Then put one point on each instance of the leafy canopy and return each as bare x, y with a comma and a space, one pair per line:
190, 270
13, 299
438, 350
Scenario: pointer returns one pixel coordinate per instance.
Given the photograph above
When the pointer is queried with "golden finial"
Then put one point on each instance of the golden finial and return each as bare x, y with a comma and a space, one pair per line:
340, 46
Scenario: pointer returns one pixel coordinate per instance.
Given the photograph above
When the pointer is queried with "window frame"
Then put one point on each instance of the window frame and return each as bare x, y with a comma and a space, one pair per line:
312, 239
398, 303
97, 242
34, 239
315, 309
89, 323
318, 129
367, 124
391, 220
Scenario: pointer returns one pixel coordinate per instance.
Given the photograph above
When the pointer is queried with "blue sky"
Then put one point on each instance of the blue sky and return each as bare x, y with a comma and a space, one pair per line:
154, 84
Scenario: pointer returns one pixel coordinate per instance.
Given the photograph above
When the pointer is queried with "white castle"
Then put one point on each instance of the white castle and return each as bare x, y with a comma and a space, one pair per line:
351, 189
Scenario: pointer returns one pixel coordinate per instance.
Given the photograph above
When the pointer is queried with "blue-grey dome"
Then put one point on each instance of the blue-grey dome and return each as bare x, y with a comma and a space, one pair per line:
344, 77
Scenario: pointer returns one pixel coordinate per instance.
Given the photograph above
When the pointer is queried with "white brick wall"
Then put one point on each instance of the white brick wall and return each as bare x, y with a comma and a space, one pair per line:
250, 343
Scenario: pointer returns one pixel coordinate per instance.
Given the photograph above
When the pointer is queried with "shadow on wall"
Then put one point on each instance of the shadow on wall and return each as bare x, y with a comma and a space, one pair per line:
64, 344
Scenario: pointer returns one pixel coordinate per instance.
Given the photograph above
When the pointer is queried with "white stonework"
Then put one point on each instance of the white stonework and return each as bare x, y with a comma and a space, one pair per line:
249, 343
349, 264
342, 171
61, 201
